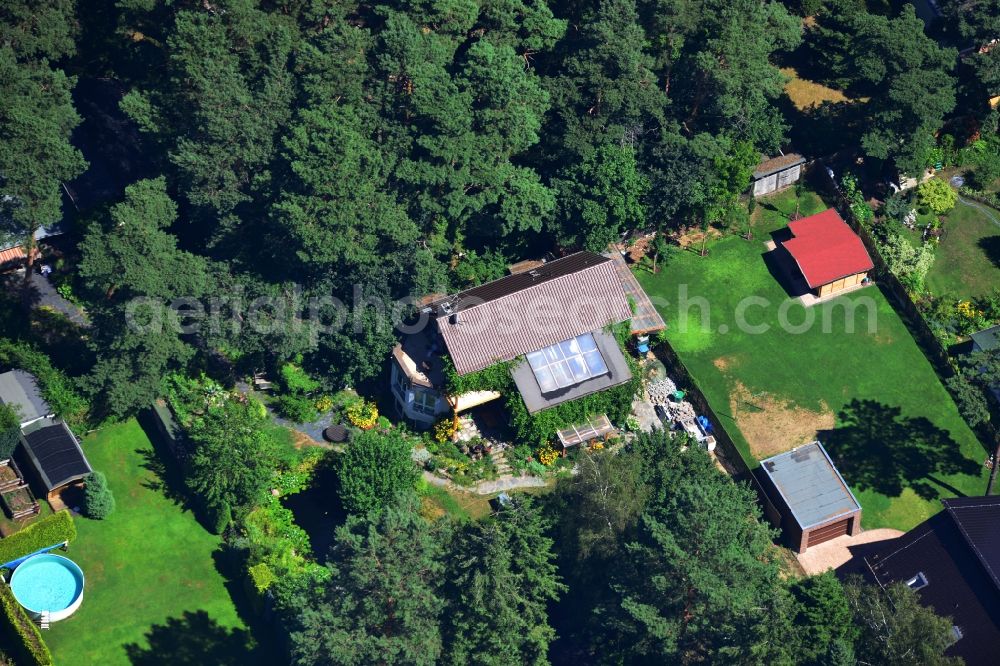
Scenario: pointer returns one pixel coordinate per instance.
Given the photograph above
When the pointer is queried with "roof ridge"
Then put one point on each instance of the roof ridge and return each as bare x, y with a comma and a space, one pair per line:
550, 281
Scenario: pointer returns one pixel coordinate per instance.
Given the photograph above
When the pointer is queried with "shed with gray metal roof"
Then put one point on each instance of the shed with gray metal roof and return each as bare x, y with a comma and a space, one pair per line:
818, 505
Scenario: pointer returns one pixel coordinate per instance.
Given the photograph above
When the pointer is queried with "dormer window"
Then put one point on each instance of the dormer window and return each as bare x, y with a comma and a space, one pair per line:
918, 582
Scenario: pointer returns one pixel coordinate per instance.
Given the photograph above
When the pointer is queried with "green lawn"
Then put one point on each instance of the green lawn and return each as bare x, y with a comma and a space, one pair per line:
871, 397
151, 577
968, 259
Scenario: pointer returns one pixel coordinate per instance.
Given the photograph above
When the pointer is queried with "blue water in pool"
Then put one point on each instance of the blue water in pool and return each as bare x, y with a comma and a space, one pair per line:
46, 582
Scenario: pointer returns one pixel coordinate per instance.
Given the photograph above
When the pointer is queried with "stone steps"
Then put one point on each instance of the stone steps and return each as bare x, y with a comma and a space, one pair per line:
500, 460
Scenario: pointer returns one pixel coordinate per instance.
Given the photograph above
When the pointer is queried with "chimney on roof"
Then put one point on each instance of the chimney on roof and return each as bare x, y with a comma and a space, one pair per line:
453, 319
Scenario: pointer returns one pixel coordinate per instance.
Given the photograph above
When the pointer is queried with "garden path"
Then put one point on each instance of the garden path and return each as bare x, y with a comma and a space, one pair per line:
506, 482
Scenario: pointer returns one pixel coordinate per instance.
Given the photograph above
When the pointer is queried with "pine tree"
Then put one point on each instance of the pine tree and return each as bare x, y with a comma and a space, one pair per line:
134, 269
906, 73
381, 603
703, 581
822, 617
214, 109
502, 577
98, 501
36, 157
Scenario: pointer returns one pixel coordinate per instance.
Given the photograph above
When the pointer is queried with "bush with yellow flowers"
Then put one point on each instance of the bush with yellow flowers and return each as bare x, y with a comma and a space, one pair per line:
546, 454
445, 429
362, 414
324, 404
968, 310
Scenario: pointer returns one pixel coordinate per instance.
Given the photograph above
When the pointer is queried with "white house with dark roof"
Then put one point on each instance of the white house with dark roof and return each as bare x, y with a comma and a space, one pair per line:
552, 319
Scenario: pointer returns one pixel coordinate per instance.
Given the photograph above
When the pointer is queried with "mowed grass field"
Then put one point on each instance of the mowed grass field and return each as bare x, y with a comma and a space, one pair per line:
967, 264
153, 593
868, 394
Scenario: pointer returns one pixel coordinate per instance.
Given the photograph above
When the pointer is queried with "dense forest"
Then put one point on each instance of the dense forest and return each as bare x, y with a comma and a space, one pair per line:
372, 152
338, 152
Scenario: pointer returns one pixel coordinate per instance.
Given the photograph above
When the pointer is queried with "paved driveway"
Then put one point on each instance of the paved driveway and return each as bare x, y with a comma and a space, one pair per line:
836, 552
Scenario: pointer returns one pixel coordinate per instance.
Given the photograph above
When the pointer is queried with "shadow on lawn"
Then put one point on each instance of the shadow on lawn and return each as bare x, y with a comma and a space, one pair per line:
876, 448
158, 459
991, 248
192, 640
782, 268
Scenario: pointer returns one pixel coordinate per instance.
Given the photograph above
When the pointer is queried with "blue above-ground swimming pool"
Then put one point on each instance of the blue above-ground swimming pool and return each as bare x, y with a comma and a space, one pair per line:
48, 583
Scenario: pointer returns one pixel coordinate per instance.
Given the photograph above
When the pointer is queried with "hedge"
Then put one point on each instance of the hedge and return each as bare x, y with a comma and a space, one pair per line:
48, 531
32, 649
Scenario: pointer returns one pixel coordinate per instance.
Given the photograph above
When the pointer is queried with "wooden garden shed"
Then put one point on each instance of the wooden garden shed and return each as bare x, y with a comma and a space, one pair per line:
830, 256
777, 173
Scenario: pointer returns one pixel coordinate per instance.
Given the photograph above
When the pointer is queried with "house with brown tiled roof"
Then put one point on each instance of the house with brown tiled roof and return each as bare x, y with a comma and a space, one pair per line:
550, 320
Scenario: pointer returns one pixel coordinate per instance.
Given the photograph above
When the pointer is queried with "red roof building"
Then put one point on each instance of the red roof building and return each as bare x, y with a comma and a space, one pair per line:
830, 256
13, 257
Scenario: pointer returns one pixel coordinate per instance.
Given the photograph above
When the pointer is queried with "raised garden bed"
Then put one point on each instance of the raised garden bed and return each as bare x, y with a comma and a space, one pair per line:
18, 502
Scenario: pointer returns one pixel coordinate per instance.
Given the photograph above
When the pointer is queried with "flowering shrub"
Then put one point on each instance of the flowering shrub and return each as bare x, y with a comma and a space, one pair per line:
362, 414
445, 429
546, 454
970, 317
324, 404
968, 310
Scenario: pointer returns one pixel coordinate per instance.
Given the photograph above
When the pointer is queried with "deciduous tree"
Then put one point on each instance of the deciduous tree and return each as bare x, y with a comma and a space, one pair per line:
601, 198
895, 629
374, 470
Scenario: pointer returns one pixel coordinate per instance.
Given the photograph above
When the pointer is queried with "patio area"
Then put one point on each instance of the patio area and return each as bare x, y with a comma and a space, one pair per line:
837, 552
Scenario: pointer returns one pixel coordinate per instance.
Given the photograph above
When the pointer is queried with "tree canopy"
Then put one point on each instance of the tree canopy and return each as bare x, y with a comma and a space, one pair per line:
374, 470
